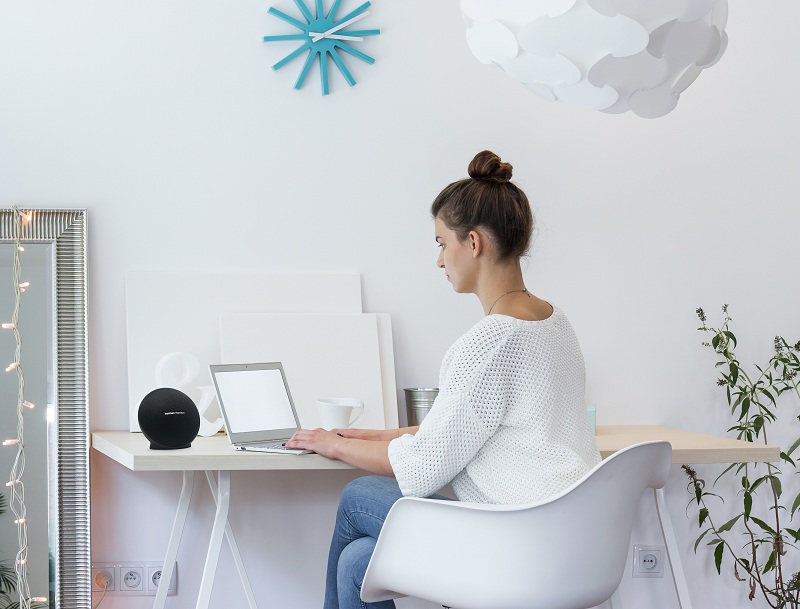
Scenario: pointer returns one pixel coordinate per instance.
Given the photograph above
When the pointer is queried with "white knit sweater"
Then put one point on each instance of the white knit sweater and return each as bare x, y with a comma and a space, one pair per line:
509, 424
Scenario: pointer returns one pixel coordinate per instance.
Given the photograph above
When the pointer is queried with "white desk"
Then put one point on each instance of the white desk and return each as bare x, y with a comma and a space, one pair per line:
214, 453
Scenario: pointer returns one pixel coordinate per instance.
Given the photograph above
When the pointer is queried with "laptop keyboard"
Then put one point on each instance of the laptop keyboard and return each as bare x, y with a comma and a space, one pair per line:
277, 447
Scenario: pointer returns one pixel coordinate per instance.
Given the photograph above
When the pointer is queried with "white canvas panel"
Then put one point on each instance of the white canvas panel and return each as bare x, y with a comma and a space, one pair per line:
324, 356
169, 312
390, 413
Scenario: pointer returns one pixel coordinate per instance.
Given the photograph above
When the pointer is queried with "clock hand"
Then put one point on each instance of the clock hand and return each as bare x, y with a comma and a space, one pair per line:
335, 37
316, 37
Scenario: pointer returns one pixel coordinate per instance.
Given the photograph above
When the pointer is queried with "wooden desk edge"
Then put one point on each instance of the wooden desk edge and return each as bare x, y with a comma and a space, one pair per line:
146, 460
687, 447
699, 456
105, 447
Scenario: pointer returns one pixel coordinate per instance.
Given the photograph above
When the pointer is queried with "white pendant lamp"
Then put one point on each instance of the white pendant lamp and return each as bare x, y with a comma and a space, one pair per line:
606, 55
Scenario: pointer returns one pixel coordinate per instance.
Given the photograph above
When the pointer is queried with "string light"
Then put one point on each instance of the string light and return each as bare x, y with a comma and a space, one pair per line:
15, 483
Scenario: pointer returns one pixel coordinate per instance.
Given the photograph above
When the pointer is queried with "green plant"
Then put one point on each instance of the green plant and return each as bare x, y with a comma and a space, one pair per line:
8, 578
753, 400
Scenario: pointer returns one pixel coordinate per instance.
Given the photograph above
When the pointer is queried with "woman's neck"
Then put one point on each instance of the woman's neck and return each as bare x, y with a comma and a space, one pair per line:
500, 282
503, 291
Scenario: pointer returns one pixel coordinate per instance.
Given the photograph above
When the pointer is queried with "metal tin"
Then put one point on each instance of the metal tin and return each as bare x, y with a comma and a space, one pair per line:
418, 403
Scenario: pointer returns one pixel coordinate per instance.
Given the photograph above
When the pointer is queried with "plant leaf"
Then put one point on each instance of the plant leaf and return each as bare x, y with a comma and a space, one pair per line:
758, 423
699, 539
702, 517
770, 564
794, 446
748, 504
763, 525
718, 556
725, 471
728, 525
757, 483
776, 485
734, 376
8, 577
795, 505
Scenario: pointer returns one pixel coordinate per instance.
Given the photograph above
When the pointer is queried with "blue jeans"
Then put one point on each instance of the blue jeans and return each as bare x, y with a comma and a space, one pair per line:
363, 508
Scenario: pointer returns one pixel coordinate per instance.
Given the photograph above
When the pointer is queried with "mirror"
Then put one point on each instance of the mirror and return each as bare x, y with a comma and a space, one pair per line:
52, 324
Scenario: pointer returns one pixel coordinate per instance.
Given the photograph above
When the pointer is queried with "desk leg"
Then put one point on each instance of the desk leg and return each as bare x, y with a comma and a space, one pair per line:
215, 544
174, 539
237, 558
672, 550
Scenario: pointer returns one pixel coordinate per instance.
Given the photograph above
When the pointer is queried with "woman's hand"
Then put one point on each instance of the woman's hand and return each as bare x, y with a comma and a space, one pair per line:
371, 456
383, 435
368, 434
320, 441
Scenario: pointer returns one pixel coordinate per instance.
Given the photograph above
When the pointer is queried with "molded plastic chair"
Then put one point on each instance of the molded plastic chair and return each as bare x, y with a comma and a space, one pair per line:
569, 552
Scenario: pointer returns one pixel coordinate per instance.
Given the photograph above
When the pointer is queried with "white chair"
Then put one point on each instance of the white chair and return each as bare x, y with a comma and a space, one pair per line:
565, 553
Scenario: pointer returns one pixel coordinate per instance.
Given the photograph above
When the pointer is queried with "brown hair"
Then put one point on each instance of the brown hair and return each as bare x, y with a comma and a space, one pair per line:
488, 200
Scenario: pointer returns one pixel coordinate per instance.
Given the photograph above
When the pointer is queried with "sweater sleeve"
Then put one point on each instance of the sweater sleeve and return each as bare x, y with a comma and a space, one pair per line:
465, 414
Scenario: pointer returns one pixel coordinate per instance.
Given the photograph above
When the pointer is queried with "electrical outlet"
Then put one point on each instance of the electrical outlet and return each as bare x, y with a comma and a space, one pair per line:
131, 577
103, 577
153, 571
648, 561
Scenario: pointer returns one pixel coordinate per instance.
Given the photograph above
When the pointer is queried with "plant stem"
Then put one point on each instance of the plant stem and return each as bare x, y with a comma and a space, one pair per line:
754, 572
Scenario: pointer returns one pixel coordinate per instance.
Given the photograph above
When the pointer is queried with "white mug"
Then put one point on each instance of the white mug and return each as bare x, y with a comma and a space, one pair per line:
337, 413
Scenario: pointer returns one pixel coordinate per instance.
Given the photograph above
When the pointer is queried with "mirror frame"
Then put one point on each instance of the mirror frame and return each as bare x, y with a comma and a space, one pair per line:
68, 453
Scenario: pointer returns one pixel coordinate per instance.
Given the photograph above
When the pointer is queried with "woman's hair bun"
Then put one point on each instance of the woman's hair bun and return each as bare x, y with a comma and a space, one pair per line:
487, 166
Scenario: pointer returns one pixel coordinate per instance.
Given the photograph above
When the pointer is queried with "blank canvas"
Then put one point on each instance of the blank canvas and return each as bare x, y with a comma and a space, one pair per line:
324, 356
179, 312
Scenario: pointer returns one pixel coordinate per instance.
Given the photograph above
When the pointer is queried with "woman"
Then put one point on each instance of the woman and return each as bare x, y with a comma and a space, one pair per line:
509, 424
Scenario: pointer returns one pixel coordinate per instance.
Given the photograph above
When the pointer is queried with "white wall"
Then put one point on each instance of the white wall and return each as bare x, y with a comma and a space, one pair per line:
166, 122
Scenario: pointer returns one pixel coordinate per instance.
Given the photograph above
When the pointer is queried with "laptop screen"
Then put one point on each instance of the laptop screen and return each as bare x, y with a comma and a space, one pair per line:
255, 401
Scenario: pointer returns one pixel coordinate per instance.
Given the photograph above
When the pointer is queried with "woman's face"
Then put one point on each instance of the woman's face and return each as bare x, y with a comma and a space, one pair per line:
455, 257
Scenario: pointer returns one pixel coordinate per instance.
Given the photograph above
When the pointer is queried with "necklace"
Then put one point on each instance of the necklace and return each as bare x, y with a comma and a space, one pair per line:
506, 294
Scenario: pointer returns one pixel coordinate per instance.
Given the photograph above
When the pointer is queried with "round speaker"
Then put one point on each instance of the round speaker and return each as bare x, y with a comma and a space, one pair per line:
169, 419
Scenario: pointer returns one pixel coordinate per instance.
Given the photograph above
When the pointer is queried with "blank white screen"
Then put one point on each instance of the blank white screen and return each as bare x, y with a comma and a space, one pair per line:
255, 400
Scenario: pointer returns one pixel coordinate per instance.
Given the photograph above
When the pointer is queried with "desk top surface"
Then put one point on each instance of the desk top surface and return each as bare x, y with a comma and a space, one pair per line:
215, 453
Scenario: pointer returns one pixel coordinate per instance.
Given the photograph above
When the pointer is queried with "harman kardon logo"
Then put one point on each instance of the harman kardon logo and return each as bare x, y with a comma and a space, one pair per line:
175, 412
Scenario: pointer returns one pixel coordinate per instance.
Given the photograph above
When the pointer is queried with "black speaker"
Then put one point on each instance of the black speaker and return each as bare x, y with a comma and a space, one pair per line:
169, 419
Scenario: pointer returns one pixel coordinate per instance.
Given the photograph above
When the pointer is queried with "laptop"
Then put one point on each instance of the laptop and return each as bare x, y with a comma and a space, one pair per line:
257, 407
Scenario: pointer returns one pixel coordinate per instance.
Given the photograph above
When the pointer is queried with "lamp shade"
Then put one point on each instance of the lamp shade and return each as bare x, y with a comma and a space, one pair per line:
606, 55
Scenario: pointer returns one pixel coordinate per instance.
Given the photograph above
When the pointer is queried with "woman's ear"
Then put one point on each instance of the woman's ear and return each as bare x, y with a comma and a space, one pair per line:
476, 241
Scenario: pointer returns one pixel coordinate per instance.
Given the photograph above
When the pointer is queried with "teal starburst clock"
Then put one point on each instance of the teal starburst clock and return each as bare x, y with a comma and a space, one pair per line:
324, 37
